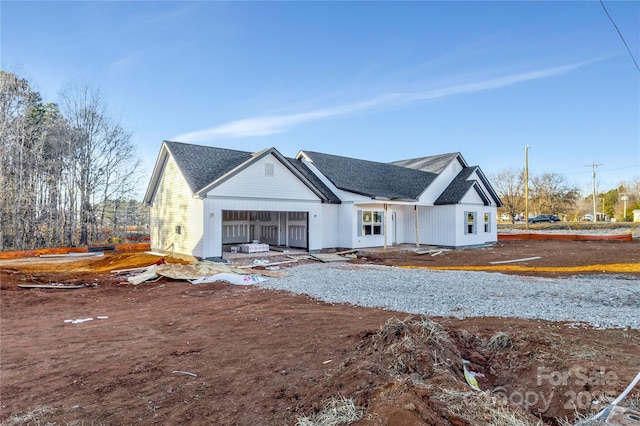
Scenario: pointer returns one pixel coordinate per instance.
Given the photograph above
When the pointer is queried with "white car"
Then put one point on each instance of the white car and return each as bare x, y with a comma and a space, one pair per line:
587, 218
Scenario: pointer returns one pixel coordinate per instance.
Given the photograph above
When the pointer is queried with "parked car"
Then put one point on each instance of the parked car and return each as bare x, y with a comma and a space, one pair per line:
544, 218
587, 218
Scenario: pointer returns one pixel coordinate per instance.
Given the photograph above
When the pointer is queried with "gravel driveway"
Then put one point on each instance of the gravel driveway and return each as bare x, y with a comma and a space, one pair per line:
602, 301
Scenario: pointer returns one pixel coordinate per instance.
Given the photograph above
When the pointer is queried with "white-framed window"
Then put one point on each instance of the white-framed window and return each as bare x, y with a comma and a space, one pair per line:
469, 223
370, 222
487, 222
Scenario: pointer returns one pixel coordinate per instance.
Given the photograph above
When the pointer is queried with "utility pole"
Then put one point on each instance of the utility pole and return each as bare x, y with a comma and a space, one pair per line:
593, 178
624, 198
526, 186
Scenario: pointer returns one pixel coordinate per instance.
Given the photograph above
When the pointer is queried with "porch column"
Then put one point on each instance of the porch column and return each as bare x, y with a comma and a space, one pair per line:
384, 229
415, 209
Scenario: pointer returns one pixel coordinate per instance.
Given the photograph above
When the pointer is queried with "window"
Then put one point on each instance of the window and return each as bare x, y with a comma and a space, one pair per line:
268, 169
370, 222
470, 222
487, 222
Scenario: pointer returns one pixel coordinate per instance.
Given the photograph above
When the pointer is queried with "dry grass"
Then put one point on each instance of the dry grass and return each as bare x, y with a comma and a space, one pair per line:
415, 345
338, 411
34, 417
488, 409
428, 331
499, 342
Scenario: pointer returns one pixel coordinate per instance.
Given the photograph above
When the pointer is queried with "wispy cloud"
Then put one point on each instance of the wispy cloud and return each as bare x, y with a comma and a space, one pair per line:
266, 125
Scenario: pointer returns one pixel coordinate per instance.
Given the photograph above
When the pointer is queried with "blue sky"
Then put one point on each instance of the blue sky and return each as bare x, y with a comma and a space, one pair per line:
381, 81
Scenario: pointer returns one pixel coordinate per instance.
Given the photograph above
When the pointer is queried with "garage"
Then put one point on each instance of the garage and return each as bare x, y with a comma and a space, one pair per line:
278, 229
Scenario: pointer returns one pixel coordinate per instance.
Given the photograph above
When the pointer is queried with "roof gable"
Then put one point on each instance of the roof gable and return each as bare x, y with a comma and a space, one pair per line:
315, 180
200, 165
205, 167
459, 186
370, 178
434, 163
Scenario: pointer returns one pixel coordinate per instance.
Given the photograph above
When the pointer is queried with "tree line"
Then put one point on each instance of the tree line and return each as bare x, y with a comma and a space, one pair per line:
67, 169
550, 193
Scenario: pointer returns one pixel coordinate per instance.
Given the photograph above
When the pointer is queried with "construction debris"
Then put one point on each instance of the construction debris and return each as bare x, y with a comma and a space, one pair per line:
196, 273
429, 252
74, 255
79, 320
265, 264
184, 372
55, 286
515, 260
615, 415
230, 278
329, 257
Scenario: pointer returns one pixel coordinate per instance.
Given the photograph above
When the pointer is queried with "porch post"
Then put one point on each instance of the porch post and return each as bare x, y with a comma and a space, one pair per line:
384, 229
415, 209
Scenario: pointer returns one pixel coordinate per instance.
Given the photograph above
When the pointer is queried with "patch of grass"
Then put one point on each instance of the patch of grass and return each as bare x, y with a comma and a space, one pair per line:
428, 331
499, 342
580, 420
586, 352
338, 411
415, 345
34, 417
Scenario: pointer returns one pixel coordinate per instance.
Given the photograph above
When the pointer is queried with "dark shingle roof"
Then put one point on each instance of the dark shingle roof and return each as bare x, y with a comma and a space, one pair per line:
434, 164
459, 186
371, 178
315, 180
201, 165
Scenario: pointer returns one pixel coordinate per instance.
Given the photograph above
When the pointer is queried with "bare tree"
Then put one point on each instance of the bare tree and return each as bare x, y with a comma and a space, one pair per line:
22, 124
509, 184
59, 168
103, 157
550, 193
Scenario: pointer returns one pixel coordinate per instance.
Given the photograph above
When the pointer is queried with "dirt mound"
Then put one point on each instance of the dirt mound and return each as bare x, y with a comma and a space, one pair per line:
410, 372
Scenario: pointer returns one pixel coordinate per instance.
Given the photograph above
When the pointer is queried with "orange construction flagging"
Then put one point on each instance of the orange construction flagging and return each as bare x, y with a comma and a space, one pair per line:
571, 237
16, 254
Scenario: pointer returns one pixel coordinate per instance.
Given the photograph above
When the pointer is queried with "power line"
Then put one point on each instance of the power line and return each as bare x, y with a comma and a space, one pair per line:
620, 34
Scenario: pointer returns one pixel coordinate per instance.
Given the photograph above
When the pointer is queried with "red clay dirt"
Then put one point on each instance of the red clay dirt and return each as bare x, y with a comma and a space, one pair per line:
173, 353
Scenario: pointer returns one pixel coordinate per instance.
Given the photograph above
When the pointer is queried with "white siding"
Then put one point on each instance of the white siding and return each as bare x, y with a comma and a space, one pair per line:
484, 188
440, 183
253, 182
330, 226
438, 224
214, 207
173, 206
472, 197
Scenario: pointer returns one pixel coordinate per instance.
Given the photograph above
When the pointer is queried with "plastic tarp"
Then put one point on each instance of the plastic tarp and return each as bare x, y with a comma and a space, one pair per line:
196, 273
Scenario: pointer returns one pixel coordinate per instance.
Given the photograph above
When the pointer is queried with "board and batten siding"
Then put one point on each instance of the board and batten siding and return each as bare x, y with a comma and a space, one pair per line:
173, 206
445, 225
266, 185
267, 178
331, 231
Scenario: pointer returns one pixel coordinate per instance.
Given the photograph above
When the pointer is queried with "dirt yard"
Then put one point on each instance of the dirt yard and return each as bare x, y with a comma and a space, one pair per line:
169, 352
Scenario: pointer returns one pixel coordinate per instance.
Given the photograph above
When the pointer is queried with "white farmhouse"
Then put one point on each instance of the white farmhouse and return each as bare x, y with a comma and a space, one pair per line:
204, 200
